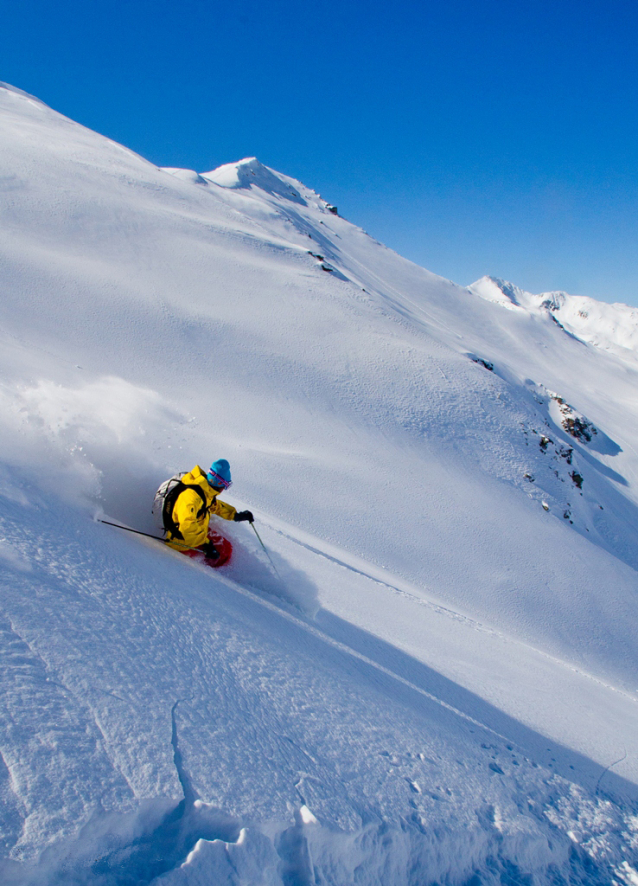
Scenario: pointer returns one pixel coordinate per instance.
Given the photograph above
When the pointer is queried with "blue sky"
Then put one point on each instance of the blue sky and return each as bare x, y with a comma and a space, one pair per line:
474, 137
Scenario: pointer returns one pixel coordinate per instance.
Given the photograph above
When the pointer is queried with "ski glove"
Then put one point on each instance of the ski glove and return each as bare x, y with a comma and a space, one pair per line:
210, 551
242, 516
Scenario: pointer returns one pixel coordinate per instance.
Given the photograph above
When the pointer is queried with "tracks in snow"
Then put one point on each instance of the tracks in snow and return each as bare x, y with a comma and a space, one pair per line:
401, 589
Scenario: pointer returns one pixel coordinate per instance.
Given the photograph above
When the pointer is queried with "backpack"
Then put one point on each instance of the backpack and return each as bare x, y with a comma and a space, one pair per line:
164, 502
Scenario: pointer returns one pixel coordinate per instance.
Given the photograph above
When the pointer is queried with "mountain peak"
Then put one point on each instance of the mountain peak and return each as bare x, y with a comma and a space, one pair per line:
608, 326
249, 173
496, 290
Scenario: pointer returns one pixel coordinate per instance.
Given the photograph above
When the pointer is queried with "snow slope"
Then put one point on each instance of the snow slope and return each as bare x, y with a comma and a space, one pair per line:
443, 687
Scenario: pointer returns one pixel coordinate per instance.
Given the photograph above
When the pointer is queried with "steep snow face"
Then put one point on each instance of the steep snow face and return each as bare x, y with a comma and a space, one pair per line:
447, 488
610, 327
164, 724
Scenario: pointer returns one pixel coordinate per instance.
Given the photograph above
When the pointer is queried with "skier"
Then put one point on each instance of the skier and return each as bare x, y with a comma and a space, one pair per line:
186, 503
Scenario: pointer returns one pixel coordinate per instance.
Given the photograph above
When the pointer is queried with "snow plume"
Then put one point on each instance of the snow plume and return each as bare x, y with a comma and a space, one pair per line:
67, 438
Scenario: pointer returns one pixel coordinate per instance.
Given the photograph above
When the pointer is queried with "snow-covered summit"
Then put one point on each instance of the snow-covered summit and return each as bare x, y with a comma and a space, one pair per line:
607, 326
441, 684
250, 173
498, 291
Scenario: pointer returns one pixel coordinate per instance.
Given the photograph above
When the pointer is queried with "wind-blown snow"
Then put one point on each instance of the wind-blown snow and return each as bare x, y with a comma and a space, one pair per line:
443, 684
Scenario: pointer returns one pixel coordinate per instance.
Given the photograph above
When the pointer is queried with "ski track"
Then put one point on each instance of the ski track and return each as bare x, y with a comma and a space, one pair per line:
414, 597
342, 647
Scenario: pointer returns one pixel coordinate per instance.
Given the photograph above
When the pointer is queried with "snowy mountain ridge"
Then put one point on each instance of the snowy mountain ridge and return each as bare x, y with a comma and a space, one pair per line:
600, 324
442, 688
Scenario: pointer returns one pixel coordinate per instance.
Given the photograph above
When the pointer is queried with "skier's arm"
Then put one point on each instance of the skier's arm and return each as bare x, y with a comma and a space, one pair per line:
223, 510
194, 530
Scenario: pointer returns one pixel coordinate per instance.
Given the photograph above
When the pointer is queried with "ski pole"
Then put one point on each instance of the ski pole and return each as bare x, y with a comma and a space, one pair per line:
175, 541
267, 554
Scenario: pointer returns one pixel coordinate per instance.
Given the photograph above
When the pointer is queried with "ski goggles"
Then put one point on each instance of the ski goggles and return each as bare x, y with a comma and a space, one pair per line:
215, 480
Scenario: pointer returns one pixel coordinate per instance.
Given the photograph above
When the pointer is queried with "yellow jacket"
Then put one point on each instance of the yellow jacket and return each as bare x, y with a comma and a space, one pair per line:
189, 512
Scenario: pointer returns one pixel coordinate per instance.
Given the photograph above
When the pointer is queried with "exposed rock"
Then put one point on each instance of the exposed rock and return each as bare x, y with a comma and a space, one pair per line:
482, 362
577, 478
574, 422
566, 453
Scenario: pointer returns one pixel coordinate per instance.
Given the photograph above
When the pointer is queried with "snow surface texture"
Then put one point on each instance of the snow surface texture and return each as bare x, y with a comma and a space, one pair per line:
441, 685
